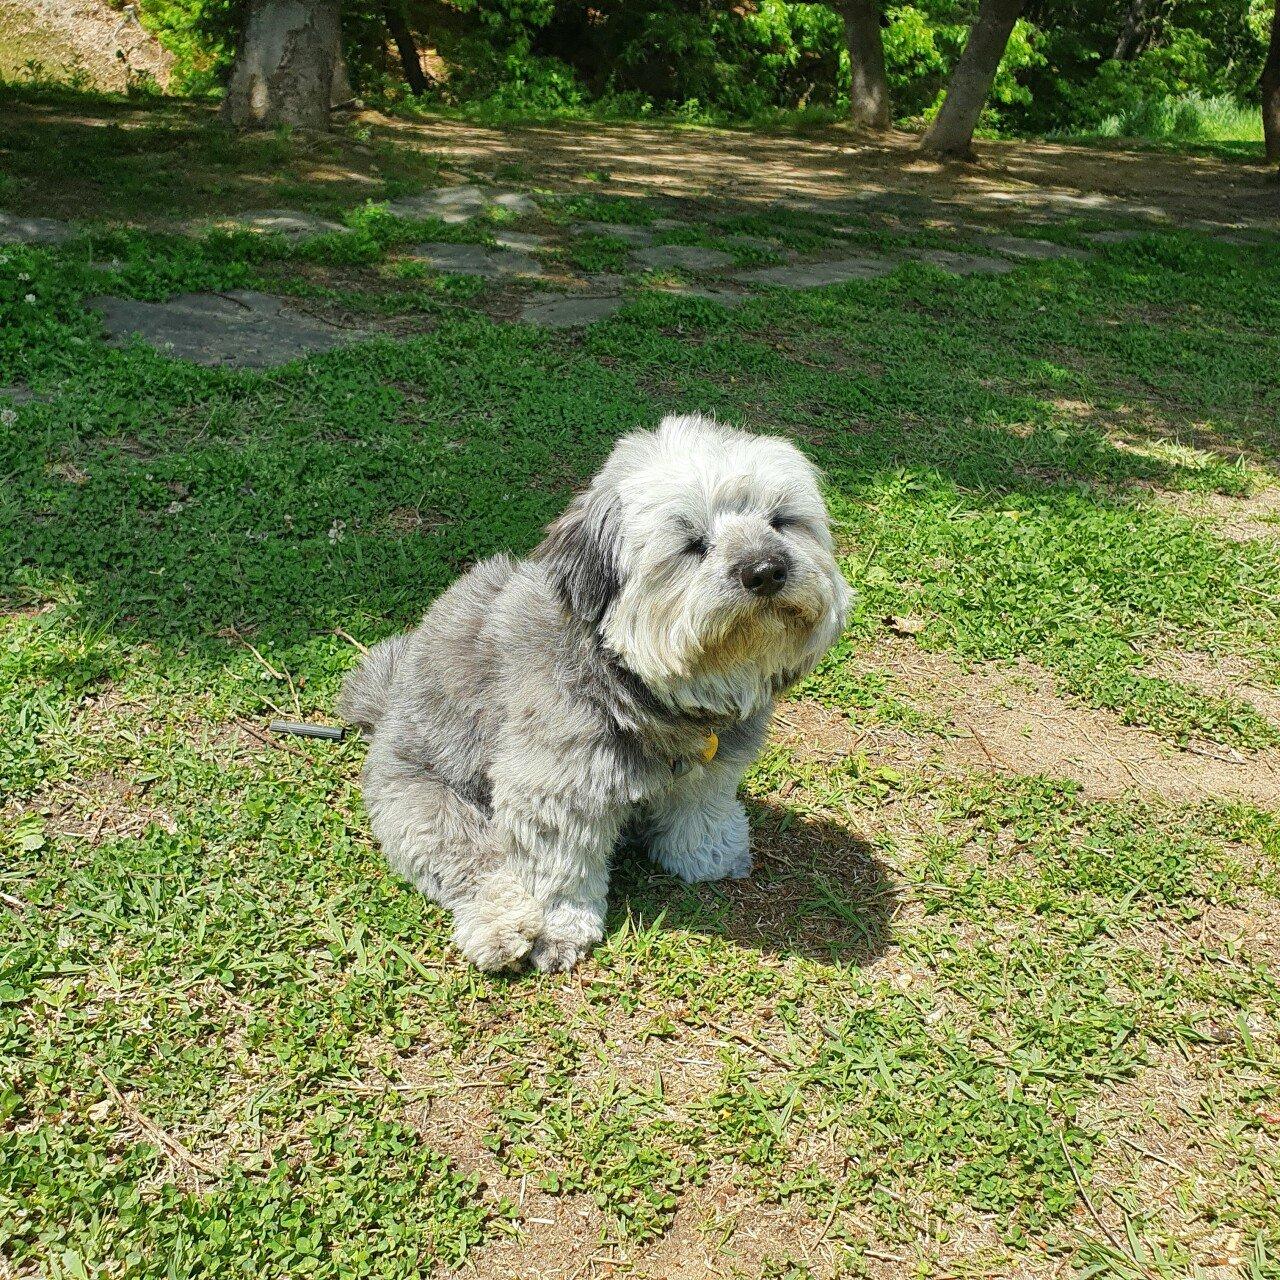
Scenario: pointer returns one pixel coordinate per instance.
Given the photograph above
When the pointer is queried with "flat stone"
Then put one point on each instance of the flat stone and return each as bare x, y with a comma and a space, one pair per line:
1114, 237
810, 275
515, 202
668, 224
725, 297
291, 223
962, 264
568, 311
15, 395
448, 204
1022, 247
460, 204
520, 240
690, 257
615, 231
755, 242
16, 230
241, 329
475, 260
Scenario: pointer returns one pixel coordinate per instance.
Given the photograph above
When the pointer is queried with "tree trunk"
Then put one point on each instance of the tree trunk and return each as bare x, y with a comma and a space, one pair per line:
951, 133
284, 72
869, 91
1142, 21
1270, 84
394, 17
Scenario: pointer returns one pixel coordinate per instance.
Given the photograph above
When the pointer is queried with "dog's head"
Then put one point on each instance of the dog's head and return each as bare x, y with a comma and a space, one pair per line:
703, 557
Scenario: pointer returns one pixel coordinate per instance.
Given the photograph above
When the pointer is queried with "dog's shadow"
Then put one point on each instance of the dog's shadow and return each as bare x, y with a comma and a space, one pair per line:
817, 890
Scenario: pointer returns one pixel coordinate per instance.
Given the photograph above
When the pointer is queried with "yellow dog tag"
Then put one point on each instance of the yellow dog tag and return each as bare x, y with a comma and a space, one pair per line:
710, 747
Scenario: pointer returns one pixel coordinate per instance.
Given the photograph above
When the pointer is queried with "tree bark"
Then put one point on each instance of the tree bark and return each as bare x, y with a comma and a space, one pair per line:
285, 67
1142, 21
869, 91
951, 133
414, 76
1270, 85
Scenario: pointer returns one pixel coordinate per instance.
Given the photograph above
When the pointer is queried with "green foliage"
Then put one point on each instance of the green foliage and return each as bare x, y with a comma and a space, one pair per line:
711, 61
233, 1044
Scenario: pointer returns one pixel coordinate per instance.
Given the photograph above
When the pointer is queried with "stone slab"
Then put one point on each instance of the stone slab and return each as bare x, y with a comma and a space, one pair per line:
689, 257
460, 204
515, 202
633, 235
16, 394
449, 204
522, 241
475, 260
241, 329
16, 230
962, 264
811, 275
292, 223
1022, 247
1114, 237
568, 311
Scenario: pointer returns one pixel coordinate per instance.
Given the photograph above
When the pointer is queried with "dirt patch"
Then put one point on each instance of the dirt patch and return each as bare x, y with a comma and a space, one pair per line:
843, 171
1220, 675
1158, 1140
1011, 718
109, 46
1236, 519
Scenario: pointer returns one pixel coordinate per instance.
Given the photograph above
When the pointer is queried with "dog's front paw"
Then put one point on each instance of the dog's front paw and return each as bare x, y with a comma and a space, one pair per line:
695, 854
496, 929
557, 955
571, 929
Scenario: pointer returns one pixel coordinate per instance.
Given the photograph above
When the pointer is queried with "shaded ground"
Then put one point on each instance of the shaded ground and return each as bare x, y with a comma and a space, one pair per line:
1000, 997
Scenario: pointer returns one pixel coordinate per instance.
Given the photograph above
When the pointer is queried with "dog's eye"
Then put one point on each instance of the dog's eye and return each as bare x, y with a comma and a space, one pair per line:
781, 521
696, 547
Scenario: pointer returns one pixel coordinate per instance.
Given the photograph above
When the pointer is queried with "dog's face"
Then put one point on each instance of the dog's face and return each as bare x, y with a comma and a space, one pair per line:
703, 555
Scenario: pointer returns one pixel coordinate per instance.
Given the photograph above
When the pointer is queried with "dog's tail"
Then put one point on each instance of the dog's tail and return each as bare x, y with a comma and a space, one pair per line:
363, 700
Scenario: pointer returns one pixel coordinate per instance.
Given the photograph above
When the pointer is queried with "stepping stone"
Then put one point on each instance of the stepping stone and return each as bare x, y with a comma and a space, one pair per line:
1114, 237
1021, 247
285, 222
475, 260
10, 396
668, 224
725, 297
615, 231
460, 204
449, 204
568, 311
520, 240
962, 264
16, 230
755, 242
241, 329
810, 275
516, 202
690, 257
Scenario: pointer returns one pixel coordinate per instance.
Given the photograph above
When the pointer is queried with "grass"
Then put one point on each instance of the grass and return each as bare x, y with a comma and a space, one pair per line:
937, 1030
1216, 125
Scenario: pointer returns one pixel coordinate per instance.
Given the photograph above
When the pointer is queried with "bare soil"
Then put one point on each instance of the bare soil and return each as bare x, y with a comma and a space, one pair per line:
107, 45
1016, 180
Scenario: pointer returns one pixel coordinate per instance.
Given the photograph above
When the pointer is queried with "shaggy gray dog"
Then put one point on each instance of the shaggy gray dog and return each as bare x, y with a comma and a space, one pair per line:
619, 680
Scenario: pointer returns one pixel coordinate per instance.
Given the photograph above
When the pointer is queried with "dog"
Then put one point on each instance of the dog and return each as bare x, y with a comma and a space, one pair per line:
614, 685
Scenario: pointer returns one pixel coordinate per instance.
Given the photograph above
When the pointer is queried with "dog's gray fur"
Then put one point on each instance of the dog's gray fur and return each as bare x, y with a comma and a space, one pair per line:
544, 706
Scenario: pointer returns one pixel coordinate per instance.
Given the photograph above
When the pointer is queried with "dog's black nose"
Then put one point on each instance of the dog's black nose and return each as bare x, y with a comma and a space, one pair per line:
764, 577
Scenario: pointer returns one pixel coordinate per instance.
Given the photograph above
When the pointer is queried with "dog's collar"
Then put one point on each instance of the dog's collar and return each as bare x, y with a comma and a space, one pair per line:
705, 755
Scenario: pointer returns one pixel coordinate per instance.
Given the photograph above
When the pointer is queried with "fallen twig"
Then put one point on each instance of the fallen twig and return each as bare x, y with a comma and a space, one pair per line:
167, 1142
350, 639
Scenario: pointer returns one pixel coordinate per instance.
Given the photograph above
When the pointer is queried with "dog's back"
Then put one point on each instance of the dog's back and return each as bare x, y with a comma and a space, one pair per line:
432, 683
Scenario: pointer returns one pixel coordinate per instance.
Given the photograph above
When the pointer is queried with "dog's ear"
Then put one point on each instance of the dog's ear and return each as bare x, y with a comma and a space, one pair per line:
580, 552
